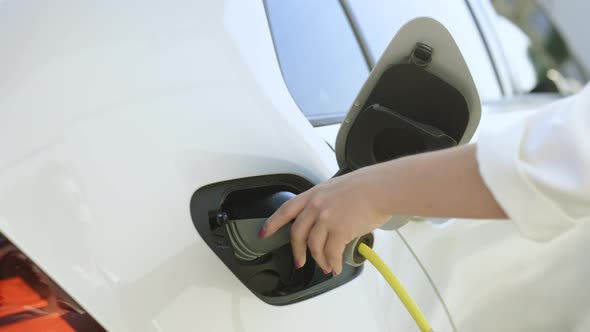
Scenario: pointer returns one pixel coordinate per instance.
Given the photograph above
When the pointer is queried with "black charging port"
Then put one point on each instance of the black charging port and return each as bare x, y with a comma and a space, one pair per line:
227, 213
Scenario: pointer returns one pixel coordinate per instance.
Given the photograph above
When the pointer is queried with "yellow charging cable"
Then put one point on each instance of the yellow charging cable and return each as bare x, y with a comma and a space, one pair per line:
397, 287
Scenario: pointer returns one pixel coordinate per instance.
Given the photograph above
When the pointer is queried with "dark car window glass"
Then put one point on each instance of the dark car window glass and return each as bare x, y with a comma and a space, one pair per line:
379, 21
320, 58
553, 66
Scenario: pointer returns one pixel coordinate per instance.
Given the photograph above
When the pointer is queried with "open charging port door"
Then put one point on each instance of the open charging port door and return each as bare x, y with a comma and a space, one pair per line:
419, 97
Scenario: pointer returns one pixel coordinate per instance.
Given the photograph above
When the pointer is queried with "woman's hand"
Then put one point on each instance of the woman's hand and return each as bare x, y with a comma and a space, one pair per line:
444, 183
330, 215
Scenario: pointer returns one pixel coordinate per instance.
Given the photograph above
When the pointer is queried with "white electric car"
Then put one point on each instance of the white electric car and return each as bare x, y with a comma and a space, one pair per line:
138, 139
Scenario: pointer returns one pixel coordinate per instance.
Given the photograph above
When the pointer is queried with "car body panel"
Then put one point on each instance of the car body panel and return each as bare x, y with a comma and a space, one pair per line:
112, 115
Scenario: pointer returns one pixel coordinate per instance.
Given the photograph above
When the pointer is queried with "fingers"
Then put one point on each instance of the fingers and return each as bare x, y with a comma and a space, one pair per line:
310, 229
317, 242
287, 212
299, 234
334, 250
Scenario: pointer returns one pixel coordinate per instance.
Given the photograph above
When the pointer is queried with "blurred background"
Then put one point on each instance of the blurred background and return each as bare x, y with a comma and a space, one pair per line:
557, 43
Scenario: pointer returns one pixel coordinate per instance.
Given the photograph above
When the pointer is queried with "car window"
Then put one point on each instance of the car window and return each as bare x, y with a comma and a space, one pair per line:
378, 22
544, 57
319, 56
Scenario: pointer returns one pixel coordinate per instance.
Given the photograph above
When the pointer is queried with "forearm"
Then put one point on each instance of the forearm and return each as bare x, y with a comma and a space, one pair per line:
444, 183
328, 216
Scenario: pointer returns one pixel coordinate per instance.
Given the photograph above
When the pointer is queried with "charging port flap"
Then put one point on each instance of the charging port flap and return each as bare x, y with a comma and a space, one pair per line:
419, 97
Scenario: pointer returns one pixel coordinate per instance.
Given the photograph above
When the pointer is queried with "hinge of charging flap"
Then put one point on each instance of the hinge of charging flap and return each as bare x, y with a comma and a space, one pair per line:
421, 55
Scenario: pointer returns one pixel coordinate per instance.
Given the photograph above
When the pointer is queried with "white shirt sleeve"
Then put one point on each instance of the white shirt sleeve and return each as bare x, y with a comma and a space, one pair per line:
538, 169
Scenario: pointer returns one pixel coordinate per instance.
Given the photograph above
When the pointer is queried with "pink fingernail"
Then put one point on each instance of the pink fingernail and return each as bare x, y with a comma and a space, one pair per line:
296, 263
262, 232
325, 271
334, 274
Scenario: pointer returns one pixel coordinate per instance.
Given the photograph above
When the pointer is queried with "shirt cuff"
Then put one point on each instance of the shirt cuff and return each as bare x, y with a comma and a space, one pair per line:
501, 167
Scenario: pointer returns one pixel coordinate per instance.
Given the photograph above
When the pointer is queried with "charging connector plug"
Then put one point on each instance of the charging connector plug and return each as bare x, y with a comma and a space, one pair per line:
352, 256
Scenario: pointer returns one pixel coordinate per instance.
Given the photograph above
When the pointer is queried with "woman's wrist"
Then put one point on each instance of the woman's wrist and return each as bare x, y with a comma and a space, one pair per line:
386, 192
